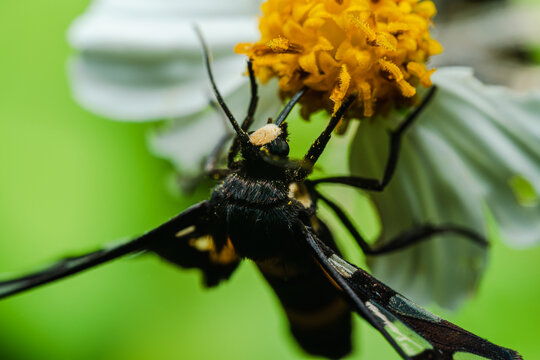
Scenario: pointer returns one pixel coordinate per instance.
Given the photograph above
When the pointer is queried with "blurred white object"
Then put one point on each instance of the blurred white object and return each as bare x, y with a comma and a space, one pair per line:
189, 139
474, 147
140, 60
491, 38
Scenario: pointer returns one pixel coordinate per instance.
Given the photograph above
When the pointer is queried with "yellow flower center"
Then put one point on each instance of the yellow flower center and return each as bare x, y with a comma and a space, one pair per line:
375, 48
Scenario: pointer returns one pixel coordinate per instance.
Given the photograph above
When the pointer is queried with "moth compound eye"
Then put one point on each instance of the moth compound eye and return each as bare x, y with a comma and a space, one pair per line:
278, 147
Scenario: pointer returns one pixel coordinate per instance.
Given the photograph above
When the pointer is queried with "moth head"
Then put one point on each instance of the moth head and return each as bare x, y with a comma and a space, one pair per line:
272, 139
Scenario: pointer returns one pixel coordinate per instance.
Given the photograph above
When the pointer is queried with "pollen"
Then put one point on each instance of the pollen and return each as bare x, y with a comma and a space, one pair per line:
280, 45
376, 49
265, 135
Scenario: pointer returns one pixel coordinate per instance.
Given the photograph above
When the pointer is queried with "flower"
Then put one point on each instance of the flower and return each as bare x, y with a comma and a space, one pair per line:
471, 151
375, 48
141, 61
449, 169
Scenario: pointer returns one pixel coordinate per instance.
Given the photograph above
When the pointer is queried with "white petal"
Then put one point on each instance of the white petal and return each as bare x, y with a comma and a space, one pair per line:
157, 36
497, 131
458, 157
187, 141
131, 91
140, 60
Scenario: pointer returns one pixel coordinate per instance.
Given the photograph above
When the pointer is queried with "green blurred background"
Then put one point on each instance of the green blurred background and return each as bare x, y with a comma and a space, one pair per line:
71, 180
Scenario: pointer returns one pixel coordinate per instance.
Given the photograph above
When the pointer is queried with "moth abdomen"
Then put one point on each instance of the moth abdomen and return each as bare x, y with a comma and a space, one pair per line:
319, 318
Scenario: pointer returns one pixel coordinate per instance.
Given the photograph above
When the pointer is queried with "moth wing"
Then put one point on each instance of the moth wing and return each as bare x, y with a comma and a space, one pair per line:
201, 250
184, 222
414, 332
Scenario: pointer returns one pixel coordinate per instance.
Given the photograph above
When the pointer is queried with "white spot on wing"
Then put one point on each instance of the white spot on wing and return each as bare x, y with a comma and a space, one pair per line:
186, 231
411, 343
204, 243
343, 267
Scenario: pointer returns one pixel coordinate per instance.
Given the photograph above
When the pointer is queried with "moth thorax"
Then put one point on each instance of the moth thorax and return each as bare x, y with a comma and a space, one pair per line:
265, 135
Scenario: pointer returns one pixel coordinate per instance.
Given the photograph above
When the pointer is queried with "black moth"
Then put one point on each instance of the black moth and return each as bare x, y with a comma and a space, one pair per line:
266, 210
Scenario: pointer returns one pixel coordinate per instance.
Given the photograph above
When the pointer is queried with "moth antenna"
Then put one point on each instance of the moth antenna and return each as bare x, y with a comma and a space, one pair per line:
287, 109
219, 99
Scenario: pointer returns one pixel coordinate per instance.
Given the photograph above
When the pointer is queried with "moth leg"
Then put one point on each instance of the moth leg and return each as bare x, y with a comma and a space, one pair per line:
406, 238
425, 232
290, 105
248, 120
211, 164
319, 144
395, 142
